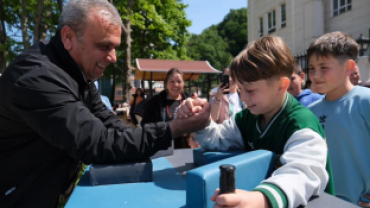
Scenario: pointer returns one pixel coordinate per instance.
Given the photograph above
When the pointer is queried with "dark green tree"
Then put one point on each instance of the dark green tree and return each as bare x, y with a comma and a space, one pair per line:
211, 47
234, 30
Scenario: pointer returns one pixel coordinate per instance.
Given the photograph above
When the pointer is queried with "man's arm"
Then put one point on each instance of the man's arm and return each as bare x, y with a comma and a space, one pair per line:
101, 111
51, 110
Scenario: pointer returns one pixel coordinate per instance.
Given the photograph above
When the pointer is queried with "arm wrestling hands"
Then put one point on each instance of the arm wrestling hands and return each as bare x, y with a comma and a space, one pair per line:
194, 114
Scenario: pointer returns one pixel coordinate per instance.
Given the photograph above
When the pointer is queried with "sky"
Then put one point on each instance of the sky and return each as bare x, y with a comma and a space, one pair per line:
204, 13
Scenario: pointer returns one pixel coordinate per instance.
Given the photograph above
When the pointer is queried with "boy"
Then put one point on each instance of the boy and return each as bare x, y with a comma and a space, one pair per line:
344, 113
306, 96
273, 120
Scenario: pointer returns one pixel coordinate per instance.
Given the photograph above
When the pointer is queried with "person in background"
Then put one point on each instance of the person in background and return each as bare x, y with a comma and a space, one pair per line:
161, 107
194, 95
355, 76
191, 141
306, 96
137, 105
343, 114
52, 118
223, 106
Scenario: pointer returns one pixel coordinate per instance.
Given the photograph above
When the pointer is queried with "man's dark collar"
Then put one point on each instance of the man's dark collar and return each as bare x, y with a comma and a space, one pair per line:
65, 61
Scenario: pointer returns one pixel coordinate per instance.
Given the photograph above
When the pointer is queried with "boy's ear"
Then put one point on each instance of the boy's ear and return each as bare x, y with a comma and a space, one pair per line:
350, 66
284, 83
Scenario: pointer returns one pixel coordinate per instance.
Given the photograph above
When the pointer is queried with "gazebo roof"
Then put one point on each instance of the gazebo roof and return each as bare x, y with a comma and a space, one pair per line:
154, 69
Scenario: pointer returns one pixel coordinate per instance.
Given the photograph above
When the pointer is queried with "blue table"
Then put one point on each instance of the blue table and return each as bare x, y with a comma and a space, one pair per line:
168, 188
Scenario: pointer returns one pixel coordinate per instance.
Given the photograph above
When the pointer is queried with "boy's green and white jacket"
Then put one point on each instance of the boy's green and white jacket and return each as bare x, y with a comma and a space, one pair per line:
294, 135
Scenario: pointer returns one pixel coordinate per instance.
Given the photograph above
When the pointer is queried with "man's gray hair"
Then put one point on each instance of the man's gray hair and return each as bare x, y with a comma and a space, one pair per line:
76, 14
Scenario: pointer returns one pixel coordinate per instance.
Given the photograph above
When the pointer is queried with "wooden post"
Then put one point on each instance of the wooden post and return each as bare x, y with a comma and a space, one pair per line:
151, 84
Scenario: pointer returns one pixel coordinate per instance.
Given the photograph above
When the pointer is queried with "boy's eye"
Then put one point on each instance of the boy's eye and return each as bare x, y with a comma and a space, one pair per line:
250, 91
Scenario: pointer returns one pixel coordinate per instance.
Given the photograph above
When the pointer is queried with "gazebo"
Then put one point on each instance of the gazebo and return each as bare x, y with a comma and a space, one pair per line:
155, 70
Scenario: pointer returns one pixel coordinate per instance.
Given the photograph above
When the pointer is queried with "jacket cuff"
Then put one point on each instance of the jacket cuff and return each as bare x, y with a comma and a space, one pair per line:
168, 134
274, 194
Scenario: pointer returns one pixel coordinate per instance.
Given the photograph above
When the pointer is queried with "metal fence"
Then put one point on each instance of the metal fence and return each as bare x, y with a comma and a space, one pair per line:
203, 88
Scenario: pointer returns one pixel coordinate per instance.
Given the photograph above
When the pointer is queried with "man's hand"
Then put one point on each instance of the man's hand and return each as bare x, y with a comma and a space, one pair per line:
192, 115
240, 198
190, 106
365, 204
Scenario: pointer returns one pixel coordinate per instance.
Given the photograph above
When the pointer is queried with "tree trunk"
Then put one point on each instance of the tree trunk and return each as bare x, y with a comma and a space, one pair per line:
38, 18
24, 25
2, 38
126, 69
60, 3
45, 27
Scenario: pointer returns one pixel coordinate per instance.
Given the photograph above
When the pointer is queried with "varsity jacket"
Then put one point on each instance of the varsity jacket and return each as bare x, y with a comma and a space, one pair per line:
294, 135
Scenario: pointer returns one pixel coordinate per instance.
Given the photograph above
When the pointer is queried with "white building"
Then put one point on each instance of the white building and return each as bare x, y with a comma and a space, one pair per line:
299, 22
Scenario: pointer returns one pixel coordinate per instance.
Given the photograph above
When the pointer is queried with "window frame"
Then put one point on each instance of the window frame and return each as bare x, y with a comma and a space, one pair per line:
283, 17
261, 26
271, 28
339, 9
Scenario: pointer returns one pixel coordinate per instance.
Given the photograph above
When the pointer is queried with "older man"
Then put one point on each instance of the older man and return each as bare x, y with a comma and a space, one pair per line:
52, 117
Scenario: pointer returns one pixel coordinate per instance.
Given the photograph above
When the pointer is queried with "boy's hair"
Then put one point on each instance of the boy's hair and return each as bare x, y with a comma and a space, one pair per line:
297, 67
337, 44
265, 58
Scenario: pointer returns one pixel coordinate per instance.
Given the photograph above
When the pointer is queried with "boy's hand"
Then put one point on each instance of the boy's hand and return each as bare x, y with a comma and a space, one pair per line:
365, 204
240, 198
190, 106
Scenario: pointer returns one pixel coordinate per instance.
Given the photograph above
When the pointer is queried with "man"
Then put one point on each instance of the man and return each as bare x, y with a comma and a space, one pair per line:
52, 117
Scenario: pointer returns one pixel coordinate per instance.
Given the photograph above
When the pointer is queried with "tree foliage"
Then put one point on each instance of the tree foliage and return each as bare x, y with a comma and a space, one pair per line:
210, 46
233, 29
26, 22
219, 43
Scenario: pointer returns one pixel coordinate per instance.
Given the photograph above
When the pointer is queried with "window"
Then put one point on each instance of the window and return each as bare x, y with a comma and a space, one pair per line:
283, 15
271, 21
340, 6
261, 27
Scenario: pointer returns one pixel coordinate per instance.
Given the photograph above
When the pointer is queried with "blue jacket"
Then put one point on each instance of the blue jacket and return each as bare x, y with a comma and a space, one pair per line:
307, 97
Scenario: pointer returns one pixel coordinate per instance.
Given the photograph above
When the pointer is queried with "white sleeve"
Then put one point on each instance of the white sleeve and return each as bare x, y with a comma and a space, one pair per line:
303, 172
220, 137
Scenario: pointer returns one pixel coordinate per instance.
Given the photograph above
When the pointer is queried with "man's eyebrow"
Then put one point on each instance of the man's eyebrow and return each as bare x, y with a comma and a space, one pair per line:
107, 43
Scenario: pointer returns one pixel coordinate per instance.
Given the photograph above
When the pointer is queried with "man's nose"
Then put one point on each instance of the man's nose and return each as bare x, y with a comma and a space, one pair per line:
112, 56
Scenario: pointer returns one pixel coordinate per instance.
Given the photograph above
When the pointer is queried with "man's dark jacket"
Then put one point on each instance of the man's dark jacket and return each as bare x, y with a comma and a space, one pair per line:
51, 119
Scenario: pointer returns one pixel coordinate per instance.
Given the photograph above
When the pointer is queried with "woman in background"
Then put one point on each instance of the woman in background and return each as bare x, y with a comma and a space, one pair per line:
161, 107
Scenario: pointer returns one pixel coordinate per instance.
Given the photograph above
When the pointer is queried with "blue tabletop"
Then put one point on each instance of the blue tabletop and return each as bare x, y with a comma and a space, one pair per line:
166, 190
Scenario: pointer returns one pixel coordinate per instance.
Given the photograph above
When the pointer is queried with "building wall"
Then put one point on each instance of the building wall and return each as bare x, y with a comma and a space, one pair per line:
353, 22
307, 20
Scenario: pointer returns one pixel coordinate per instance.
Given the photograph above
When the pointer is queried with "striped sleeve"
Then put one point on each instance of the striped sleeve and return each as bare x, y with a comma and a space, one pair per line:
274, 194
